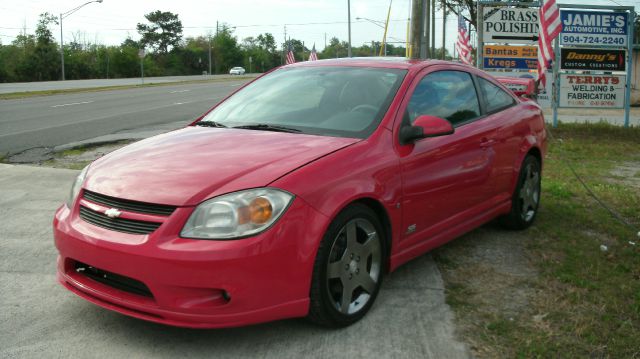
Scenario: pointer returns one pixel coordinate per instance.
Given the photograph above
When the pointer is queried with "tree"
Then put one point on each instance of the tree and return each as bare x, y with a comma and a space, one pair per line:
44, 63
262, 51
164, 31
336, 48
226, 52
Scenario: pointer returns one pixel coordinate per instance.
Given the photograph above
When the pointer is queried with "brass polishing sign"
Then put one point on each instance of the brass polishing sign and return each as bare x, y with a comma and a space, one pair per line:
592, 60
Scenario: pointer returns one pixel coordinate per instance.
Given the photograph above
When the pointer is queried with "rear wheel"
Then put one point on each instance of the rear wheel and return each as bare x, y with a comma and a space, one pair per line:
348, 269
526, 198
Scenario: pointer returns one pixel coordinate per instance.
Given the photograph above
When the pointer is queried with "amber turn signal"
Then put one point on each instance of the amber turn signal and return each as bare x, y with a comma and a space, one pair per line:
260, 210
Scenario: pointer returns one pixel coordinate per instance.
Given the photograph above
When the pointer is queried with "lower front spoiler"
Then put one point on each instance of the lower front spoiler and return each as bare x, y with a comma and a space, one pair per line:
298, 308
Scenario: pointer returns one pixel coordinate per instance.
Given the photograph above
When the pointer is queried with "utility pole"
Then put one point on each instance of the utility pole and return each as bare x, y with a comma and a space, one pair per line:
433, 29
209, 37
416, 28
444, 28
325, 40
349, 16
284, 47
424, 53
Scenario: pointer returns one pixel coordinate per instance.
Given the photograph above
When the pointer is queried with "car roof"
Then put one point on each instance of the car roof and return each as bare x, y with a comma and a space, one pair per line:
382, 62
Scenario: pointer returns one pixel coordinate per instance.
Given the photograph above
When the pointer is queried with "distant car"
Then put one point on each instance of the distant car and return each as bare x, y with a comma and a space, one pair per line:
237, 71
523, 87
297, 194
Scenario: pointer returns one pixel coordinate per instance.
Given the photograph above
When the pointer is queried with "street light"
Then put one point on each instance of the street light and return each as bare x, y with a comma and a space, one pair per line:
62, 16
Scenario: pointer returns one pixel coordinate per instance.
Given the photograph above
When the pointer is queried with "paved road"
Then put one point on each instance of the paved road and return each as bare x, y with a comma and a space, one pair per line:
55, 120
40, 319
79, 84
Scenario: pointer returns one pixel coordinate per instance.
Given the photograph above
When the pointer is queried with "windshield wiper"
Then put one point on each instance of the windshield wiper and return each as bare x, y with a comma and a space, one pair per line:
267, 127
209, 124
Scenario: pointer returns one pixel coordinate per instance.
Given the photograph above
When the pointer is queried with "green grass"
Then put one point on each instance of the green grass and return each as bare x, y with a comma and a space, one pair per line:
19, 95
588, 299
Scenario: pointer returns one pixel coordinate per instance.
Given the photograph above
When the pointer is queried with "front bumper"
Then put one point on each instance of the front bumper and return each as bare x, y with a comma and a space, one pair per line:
195, 283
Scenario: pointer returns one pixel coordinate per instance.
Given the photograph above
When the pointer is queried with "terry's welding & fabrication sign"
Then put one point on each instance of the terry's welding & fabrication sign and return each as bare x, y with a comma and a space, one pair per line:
592, 59
604, 91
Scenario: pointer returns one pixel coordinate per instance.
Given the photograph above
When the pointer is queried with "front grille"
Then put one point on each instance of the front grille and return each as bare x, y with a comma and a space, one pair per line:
117, 281
132, 206
117, 224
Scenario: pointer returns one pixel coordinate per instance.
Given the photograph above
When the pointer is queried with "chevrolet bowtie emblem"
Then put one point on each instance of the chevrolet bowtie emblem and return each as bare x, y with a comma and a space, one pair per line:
112, 213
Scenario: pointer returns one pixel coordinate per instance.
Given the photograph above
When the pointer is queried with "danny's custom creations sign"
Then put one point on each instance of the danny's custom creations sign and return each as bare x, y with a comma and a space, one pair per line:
603, 91
592, 59
594, 28
510, 25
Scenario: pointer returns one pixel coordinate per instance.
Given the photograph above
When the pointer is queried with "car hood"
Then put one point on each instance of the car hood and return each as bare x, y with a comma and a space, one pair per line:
187, 166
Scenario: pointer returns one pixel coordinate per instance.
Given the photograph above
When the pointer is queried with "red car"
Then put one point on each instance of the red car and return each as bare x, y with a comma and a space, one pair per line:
297, 194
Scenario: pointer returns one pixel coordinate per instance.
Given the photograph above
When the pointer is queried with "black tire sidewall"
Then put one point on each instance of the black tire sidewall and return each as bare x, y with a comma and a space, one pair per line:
515, 219
322, 310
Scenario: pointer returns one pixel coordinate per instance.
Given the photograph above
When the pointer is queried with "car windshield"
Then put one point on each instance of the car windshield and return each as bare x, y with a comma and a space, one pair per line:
330, 101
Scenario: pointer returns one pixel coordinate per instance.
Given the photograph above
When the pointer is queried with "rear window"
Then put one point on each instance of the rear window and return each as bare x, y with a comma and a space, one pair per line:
495, 97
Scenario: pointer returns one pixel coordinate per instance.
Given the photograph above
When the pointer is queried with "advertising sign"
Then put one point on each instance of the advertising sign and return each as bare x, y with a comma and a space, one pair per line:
602, 91
593, 28
505, 51
510, 57
592, 59
510, 25
510, 63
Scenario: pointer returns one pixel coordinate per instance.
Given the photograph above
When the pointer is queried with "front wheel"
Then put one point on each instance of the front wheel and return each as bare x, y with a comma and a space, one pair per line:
348, 269
526, 198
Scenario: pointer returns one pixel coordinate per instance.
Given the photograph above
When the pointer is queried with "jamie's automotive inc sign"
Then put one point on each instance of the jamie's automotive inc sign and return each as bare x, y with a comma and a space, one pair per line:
603, 91
593, 28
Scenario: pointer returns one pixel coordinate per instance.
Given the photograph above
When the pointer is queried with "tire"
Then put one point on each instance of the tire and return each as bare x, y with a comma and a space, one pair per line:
348, 269
526, 197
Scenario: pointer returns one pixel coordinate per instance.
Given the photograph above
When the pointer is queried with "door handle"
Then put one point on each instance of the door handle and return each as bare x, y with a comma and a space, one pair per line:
487, 142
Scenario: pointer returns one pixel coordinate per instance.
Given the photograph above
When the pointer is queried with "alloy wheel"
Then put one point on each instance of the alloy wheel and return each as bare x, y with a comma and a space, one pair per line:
354, 267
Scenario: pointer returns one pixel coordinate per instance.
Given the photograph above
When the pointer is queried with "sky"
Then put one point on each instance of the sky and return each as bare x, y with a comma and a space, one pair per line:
112, 21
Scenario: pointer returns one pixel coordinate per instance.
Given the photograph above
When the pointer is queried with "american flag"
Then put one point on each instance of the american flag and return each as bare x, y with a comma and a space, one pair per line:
313, 56
290, 58
464, 43
550, 27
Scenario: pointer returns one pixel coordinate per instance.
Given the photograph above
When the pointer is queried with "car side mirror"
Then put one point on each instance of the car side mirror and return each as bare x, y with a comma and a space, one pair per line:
425, 126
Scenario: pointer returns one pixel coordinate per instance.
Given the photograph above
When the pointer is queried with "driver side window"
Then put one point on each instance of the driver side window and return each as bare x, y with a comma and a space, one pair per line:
446, 94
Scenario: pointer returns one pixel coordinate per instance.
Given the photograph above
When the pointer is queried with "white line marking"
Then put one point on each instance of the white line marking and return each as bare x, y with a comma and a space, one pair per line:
179, 91
236, 85
72, 104
182, 103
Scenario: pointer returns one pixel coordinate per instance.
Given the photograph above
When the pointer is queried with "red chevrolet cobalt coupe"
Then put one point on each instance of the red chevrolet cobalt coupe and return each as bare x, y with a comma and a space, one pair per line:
297, 194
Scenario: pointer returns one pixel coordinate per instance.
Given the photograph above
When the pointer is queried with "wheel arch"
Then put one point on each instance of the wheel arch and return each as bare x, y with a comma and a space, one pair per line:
529, 147
382, 214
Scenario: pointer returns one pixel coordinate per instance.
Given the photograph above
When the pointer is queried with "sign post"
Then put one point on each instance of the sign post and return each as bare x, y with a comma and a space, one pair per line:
596, 43
627, 99
141, 55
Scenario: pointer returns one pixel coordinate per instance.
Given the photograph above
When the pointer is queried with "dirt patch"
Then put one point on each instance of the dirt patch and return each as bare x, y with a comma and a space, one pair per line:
628, 174
76, 158
489, 279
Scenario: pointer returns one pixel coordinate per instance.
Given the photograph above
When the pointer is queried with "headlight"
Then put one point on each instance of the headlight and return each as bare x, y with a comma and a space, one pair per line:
237, 214
76, 186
